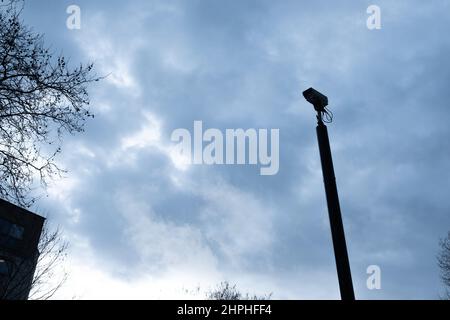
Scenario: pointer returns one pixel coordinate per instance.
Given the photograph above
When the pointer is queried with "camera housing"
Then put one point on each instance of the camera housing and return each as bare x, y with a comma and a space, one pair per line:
317, 99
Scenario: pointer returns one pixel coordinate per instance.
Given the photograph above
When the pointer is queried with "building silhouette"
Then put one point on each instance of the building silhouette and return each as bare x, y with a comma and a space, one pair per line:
20, 231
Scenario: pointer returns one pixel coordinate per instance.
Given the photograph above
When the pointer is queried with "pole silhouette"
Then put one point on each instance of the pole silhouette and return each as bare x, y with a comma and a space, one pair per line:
334, 211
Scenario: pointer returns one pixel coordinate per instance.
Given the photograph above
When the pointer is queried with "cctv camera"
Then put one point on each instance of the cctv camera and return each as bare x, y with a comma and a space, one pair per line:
318, 100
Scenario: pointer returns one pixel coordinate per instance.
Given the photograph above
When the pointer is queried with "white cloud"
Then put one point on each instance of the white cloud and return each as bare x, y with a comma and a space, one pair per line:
112, 58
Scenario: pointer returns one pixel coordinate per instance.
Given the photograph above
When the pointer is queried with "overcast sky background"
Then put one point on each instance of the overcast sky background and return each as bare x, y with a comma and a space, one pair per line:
143, 226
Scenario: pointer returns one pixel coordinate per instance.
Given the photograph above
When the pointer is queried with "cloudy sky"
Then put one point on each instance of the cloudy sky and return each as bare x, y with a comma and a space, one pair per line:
143, 225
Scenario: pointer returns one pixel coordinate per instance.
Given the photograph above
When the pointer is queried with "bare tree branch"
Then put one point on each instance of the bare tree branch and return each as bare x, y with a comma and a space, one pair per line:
41, 98
226, 291
444, 264
46, 278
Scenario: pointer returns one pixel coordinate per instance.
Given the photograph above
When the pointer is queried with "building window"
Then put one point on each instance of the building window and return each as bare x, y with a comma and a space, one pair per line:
16, 231
10, 229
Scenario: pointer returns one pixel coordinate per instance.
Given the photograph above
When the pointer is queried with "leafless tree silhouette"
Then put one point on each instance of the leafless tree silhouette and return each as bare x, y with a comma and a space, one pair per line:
226, 291
49, 274
41, 98
444, 264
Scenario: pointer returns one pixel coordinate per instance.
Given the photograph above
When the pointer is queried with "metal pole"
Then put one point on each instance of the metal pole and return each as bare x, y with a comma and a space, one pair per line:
334, 212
